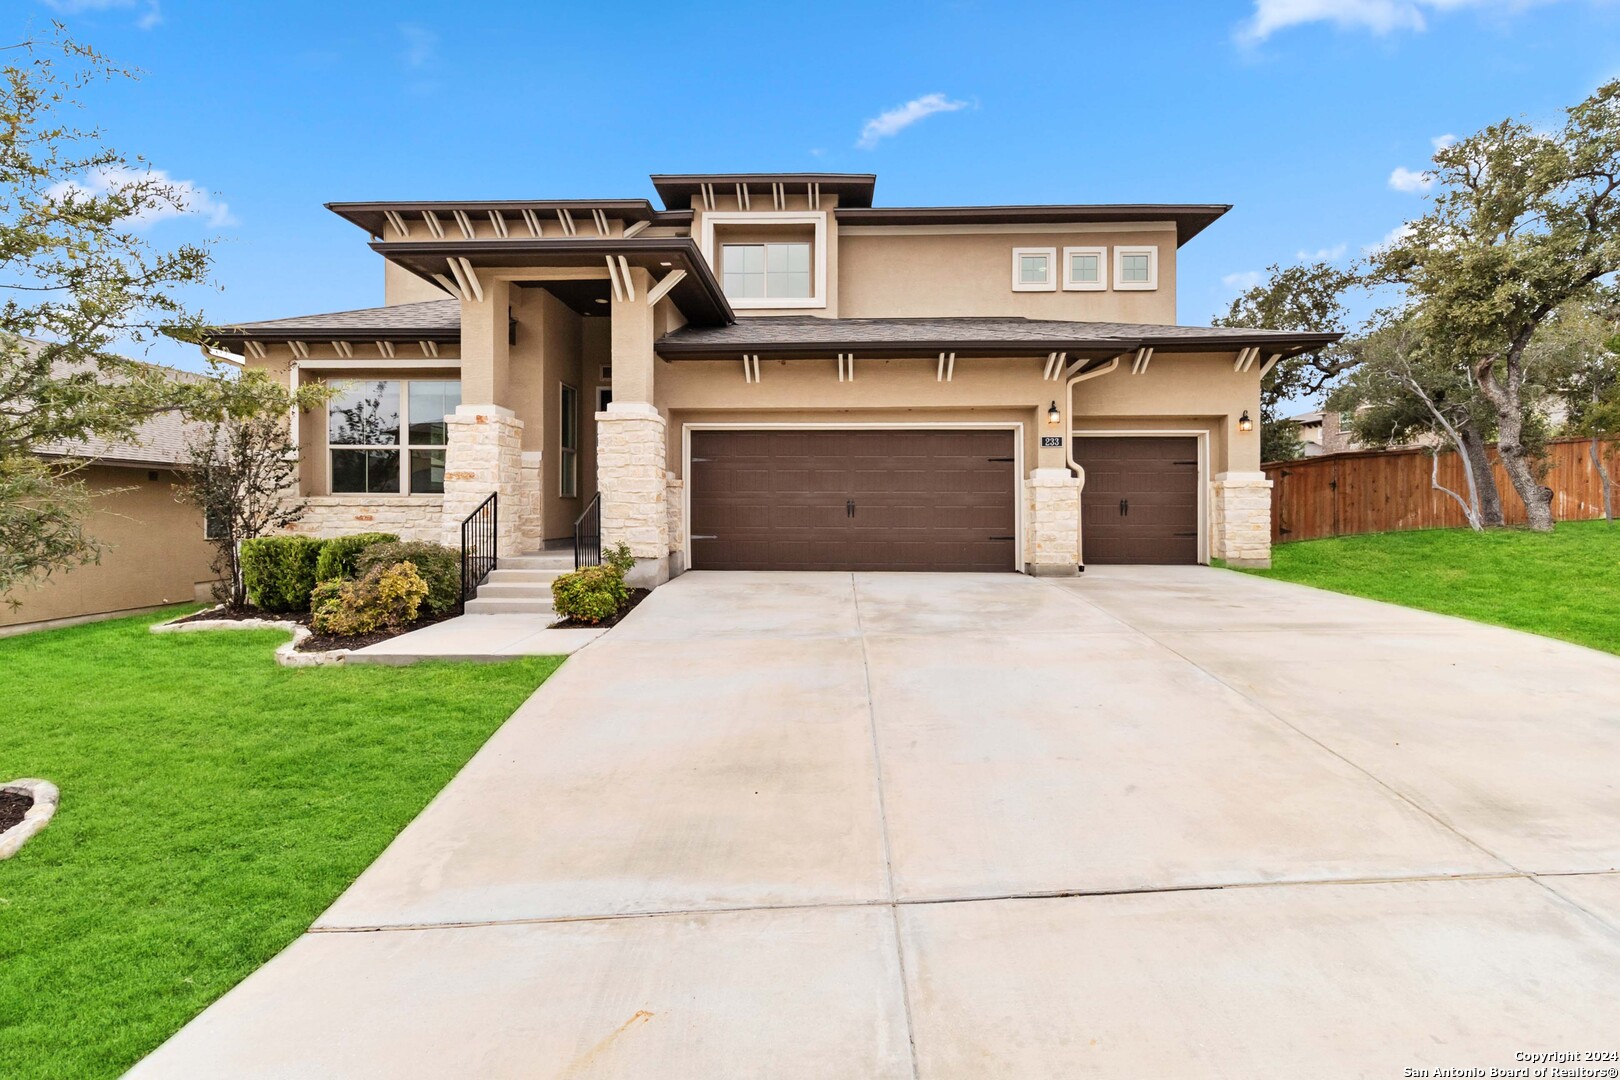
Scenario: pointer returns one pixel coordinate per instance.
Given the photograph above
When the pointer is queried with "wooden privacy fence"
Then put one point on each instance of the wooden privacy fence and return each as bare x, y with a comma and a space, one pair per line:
1385, 491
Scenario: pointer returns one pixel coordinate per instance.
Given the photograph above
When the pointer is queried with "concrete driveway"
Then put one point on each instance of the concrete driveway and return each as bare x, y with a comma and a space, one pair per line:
1153, 822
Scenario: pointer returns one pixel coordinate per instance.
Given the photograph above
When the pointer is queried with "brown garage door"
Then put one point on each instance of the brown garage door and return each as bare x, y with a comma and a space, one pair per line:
1140, 502
852, 500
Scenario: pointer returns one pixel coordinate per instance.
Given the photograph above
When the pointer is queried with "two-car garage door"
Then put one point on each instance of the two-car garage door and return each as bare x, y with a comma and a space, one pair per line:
920, 499
853, 499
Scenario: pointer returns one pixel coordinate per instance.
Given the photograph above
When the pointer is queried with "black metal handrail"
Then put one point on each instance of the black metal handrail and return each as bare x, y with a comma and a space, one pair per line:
478, 538
588, 534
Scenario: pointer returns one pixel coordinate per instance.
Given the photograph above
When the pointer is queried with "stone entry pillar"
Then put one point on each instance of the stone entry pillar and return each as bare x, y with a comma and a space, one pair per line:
1241, 519
631, 476
484, 454
1054, 523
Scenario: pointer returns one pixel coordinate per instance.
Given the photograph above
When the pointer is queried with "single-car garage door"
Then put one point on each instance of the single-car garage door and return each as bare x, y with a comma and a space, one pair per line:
1140, 500
865, 499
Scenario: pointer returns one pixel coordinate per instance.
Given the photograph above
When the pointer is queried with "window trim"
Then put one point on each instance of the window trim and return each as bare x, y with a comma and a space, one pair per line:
605, 388
567, 456
818, 254
1019, 285
1152, 282
1101, 284
403, 447
765, 274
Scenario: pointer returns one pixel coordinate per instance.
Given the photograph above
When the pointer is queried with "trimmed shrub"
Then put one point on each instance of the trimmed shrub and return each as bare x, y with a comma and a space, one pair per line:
591, 595
278, 572
619, 558
338, 554
439, 566
387, 597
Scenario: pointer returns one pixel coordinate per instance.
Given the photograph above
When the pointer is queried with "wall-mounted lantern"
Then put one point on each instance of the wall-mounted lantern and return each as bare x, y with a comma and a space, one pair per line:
1244, 423
1054, 417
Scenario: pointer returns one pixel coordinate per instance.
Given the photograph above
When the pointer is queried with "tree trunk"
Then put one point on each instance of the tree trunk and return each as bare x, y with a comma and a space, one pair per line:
1506, 398
1490, 499
1603, 478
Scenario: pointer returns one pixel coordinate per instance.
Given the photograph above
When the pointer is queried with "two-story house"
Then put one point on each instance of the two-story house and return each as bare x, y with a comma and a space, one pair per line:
770, 372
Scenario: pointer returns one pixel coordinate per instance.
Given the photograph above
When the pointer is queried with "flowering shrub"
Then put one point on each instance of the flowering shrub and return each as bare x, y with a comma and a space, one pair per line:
385, 597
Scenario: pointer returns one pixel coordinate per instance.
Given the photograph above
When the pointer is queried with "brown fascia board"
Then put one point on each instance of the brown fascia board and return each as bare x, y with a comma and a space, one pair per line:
237, 334
699, 295
1190, 219
1292, 345
369, 215
677, 189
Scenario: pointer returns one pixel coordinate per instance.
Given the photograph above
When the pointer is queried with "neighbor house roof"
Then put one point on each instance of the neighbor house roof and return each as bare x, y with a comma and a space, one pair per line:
161, 440
790, 336
429, 320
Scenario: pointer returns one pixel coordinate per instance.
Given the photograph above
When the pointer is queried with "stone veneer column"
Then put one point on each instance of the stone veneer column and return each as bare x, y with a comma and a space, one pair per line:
1241, 519
633, 481
676, 499
485, 454
1054, 523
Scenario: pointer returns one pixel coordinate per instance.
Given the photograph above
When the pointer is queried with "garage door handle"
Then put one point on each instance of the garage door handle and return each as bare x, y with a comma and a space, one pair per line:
849, 507
1124, 507
705, 538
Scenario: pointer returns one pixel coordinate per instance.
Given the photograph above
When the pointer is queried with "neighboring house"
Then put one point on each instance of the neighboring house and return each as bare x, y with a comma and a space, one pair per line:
772, 373
153, 548
1324, 432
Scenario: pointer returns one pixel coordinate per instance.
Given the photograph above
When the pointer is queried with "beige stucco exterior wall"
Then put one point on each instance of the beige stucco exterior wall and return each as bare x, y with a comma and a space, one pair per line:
400, 286
154, 553
915, 271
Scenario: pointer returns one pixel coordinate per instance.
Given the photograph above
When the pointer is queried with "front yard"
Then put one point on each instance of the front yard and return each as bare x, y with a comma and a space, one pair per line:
1564, 585
212, 805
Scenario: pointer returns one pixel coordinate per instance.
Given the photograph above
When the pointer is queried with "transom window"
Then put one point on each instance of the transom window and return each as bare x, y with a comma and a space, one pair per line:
376, 426
1136, 268
1083, 268
766, 271
568, 428
1034, 269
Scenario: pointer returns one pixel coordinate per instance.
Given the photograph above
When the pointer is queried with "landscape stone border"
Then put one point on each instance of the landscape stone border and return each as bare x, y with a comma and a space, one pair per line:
287, 655
45, 796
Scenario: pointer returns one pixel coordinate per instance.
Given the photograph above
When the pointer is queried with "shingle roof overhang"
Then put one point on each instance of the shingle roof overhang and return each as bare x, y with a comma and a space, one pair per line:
429, 320
677, 189
698, 294
1190, 218
798, 337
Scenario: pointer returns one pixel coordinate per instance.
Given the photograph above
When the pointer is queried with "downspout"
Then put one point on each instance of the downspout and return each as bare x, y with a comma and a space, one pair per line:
1068, 428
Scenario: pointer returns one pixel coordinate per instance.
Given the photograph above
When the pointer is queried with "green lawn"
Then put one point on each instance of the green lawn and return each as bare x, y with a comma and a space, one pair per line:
213, 804
1565, 584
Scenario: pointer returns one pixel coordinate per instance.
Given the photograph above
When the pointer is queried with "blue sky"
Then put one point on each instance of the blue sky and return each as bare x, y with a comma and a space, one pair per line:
1299, 112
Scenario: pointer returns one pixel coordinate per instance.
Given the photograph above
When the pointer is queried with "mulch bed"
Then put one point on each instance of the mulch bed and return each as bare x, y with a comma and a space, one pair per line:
636, 597
315, 642
13, 805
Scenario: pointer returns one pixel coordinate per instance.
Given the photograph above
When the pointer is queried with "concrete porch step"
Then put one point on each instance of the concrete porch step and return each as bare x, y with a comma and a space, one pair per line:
503, 576
510, 605
515, 590
547, 560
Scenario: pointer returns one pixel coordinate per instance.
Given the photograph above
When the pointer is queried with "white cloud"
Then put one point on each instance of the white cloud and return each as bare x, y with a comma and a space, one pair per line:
151, 13
1404, 179
195, 201
1244, 280
1395, 235
421, 46
1440, 142
893, 121
1327, 254
1377, 16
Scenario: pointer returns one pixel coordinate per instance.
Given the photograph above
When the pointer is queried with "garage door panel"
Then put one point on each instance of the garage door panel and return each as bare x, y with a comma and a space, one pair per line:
1140, 500
922, 500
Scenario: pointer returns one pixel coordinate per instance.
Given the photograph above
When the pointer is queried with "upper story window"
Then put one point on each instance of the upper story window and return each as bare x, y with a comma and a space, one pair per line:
388, 436
766, 271
1136, 268
1034, 269
768, 258
1084, 268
